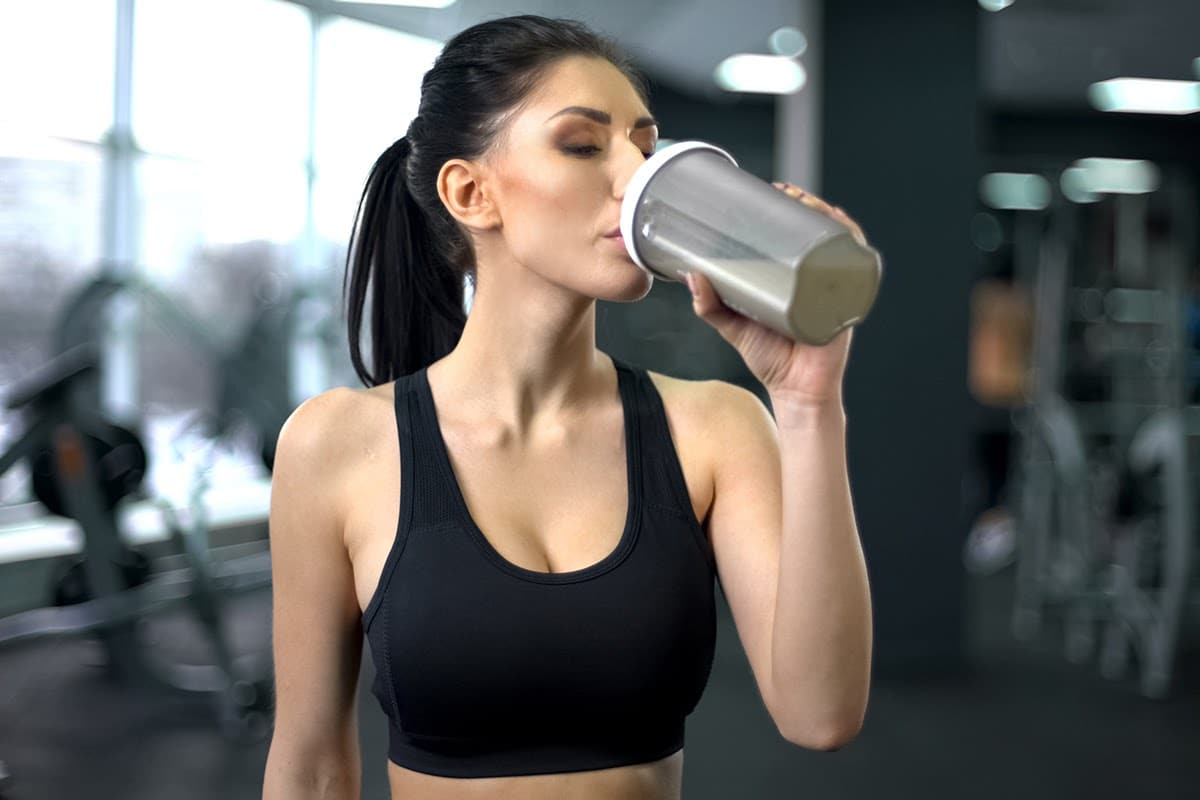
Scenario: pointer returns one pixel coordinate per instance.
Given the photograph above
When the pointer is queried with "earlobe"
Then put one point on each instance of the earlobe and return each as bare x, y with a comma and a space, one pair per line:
462, 192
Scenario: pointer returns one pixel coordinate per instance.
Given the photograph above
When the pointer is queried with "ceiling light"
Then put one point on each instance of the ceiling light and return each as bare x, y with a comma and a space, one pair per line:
411, 3
1073, 183
749, 72
1088, 178
1015, 191
788, 42
995, 5
1119, 175
1146, 96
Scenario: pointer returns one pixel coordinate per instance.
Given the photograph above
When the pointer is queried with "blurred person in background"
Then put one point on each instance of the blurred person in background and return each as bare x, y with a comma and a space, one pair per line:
1001, 336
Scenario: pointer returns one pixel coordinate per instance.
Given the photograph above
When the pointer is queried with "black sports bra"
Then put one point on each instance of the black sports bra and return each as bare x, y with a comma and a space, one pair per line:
485, 668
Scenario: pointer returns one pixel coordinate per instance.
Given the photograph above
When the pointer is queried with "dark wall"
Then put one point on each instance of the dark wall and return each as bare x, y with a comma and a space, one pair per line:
900, 128
1080, 134
1028, 139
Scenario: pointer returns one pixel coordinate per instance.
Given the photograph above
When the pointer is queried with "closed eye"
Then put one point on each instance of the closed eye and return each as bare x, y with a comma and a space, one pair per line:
587, 150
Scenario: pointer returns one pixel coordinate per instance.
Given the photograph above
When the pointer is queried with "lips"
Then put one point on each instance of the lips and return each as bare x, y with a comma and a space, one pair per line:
613, 234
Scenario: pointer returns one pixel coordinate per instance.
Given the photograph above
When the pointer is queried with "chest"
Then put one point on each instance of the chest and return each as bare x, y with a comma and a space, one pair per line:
560, 505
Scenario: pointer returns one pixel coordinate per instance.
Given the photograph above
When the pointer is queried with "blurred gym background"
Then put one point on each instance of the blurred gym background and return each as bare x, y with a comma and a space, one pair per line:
178, 180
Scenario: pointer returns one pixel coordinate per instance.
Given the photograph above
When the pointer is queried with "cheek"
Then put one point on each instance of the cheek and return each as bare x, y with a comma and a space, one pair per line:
549, 192
549, 208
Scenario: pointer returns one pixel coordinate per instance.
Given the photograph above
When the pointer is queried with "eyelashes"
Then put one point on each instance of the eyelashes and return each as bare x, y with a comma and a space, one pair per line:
587, 150
584, 150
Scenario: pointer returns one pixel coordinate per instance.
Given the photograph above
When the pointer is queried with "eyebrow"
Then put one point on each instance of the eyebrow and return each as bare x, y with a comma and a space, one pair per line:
603, 117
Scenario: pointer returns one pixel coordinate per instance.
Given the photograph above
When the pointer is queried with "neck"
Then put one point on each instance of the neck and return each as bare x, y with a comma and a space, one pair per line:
527, 357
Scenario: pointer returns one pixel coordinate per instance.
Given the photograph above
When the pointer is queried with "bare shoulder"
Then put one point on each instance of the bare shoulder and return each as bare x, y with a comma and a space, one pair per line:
332, 423
697, 405
684, 395
329, 435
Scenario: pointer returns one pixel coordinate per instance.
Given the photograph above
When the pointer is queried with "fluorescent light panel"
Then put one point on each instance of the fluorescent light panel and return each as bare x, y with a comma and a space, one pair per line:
1015, 191
1146, 96
1089, 178
1119, 175
761, 74
1073, 183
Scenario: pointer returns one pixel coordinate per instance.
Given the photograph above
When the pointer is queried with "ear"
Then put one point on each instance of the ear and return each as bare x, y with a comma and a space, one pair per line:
463, 190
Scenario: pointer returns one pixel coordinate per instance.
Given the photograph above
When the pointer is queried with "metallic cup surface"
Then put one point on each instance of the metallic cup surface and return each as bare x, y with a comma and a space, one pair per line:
789, 267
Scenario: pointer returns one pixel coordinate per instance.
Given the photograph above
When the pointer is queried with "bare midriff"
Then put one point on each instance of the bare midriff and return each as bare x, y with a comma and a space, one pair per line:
656, 780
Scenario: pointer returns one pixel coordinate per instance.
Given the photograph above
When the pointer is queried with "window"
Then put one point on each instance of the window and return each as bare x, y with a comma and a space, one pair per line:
221, 114
58, 79
51, 169
368, 90
224, 168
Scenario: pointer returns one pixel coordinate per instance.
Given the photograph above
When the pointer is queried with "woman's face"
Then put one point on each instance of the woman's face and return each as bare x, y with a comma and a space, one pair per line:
559, 175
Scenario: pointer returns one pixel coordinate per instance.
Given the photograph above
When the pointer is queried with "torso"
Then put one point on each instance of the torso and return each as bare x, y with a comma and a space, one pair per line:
567, 470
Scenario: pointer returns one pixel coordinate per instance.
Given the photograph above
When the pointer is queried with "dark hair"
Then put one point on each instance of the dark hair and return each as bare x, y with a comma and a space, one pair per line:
405, 243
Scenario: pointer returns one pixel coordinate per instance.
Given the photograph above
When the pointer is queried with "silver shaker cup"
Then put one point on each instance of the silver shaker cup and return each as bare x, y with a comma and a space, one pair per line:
768, 256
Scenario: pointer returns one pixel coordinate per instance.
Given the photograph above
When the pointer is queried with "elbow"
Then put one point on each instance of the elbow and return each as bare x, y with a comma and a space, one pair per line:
827, 739
825, 729
837, 740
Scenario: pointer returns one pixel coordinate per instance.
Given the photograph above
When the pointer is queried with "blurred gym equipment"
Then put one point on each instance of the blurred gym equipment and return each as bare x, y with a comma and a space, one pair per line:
1106, 443
252, 365
83, 467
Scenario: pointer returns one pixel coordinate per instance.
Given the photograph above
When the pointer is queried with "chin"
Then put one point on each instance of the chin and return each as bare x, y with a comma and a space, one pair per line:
634, 286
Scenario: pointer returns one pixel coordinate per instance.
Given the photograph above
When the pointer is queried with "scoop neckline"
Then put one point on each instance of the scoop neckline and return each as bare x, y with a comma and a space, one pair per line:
632, 477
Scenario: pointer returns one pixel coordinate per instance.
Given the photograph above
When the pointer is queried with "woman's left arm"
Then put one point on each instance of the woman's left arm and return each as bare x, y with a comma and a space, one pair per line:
821, 634
819, 668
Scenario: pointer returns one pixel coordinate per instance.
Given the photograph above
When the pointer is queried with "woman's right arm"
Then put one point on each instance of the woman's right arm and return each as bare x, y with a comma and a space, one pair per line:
317, 627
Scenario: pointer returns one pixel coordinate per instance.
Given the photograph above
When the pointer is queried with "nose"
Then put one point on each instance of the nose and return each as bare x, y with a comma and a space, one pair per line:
631, 157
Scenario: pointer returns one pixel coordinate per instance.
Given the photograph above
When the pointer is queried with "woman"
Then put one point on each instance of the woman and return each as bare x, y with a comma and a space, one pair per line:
526, 529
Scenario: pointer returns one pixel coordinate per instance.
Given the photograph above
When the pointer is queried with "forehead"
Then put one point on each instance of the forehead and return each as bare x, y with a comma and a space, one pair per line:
595, 82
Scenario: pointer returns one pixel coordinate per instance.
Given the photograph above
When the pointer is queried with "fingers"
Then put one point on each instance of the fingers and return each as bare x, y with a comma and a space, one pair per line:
706, 302
855, 229
816, 203
810, 200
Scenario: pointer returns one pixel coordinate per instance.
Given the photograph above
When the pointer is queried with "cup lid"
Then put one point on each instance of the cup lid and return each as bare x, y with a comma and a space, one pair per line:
637, 185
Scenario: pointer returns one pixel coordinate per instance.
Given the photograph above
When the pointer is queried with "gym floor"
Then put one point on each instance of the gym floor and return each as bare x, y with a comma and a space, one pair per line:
1024, 724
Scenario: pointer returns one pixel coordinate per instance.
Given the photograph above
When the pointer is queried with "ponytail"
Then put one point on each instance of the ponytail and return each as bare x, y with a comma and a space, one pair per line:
416, 314
406, 244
